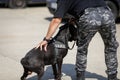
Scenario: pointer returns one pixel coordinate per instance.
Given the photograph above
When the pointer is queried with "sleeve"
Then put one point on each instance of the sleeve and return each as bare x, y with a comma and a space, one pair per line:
62, 9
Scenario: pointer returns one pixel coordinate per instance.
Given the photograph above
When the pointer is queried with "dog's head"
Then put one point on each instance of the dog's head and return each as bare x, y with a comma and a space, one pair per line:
72, 34
67, 32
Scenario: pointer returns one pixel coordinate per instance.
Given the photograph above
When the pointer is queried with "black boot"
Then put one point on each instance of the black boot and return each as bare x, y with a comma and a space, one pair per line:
113, 77
81, 75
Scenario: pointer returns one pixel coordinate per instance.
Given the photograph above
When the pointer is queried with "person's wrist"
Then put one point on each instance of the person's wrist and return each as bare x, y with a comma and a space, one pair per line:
47, 40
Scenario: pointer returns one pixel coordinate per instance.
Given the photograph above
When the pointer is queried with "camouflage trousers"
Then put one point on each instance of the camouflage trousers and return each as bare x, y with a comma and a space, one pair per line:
94, 20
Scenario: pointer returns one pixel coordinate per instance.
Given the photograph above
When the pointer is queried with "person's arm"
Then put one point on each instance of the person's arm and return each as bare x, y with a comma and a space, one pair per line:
52, 27
51, 30
62, 9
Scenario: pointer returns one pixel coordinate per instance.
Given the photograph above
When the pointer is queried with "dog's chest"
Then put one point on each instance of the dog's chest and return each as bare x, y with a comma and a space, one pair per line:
59, 44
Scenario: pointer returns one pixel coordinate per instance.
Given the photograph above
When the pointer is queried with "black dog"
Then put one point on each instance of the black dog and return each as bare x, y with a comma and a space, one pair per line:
35, 60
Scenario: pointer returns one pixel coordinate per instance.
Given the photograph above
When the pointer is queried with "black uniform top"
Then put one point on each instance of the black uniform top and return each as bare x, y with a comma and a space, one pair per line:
75, 7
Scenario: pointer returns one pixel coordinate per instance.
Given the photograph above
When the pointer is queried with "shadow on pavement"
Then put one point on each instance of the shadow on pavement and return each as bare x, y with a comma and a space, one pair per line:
68, 70
3, 6
118, 20
48, 18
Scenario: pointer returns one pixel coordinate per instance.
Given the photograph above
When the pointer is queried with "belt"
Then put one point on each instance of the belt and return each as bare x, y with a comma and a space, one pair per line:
83, 11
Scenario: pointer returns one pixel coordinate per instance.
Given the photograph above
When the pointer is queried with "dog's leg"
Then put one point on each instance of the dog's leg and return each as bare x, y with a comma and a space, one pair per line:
54, 70
40, 73
25, 74
59, 68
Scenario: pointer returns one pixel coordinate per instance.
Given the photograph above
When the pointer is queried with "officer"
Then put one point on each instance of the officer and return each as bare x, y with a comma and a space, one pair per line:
92, 16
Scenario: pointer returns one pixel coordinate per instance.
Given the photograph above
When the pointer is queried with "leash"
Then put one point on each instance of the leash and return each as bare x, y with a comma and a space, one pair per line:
72, 46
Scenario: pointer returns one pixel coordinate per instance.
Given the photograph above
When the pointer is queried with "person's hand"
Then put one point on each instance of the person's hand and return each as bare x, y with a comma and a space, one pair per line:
42, 44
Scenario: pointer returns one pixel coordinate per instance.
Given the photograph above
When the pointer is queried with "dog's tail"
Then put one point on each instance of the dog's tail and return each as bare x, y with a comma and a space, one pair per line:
24, 62
27, 63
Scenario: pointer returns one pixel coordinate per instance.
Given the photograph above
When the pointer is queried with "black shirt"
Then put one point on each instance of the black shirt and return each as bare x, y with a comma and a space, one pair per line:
75, 7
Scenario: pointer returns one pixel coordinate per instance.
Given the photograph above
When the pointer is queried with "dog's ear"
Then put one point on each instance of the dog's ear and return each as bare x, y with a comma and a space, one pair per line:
66, 25
73, 31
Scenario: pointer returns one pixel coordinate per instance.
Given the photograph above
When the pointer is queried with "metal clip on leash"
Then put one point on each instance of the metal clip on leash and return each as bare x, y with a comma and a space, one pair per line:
72, 46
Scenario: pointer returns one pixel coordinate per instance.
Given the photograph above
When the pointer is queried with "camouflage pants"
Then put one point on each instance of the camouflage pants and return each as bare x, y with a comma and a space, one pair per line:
94, 20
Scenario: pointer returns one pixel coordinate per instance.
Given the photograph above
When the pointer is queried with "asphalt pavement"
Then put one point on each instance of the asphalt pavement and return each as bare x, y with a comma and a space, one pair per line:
23, 29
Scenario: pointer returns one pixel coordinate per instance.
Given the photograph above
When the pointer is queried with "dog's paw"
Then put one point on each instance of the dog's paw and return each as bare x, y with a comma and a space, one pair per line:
23, 78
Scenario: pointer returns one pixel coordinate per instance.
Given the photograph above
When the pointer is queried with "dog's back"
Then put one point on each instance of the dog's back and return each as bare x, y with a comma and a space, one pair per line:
33, 59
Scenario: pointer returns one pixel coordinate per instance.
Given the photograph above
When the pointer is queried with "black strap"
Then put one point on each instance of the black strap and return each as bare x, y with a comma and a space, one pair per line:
72, 46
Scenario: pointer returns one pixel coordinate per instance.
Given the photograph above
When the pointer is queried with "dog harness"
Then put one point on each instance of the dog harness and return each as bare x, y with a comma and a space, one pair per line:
58, 44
